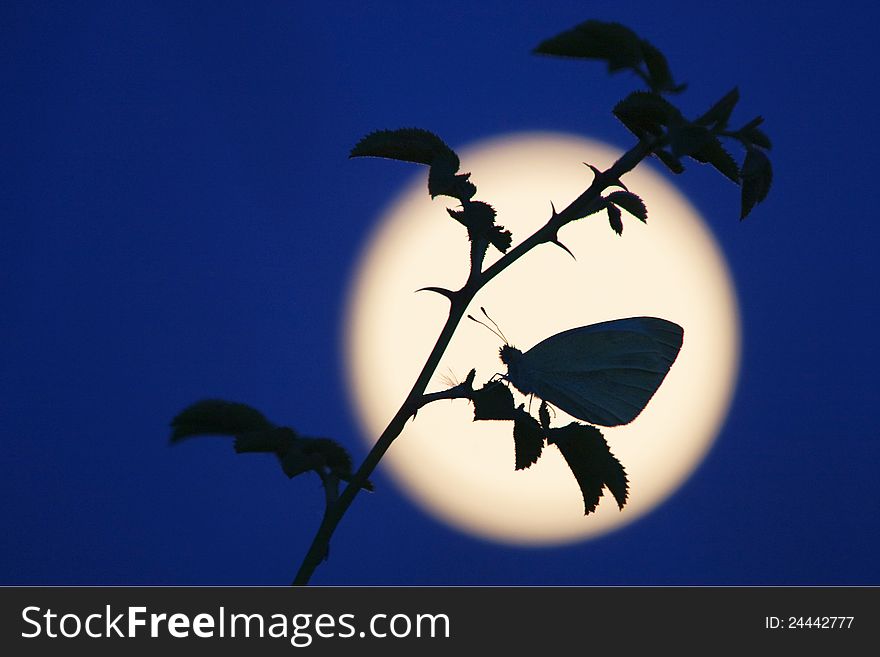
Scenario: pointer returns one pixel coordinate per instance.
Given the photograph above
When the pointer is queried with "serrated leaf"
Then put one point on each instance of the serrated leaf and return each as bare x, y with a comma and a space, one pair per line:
591, 462
422, 147
528, 440
216, 417
646, 113
659, 75
612, 43
757, 174
477, 216
614, 219
670, 161
479, 219
544, 415
687, 138
457, 186
714, 153
718, 115
631, 203
499, 238
493, 401
408, 145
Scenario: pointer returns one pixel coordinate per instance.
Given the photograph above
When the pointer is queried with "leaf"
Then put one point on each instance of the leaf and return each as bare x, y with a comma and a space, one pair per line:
631, 203
493, 401
612, 43
687, 138
407, 145
479, 219
646, 113
528, 439
319, 453
614, 219
544, 415
714, 153
422, 147
476, 216
593, 465
718, 115
619, 47
659, 75
298, 455
276, 440
672, 163
441, 183
332, 455
295, 460
499, 238
757, 174
216, 417
754, 136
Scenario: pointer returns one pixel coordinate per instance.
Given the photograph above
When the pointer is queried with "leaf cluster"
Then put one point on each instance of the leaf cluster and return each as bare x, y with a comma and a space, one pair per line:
424, 147
254, 433
650, 116
582, 445
624, 200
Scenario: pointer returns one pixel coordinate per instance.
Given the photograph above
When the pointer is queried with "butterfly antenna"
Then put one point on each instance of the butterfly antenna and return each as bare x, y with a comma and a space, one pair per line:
498, 328
495, 332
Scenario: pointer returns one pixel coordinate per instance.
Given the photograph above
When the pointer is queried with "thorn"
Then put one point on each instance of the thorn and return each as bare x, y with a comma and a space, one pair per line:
553, 212
616, 182
439, 290
562, 246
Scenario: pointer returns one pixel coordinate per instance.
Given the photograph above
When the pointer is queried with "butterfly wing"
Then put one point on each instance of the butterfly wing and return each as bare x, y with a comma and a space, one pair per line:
602, 373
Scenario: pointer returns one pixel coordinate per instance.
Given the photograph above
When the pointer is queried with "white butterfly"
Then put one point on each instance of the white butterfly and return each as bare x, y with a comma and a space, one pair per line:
602, 373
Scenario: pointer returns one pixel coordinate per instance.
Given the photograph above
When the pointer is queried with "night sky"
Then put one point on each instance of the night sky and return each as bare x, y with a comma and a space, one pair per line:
180, 220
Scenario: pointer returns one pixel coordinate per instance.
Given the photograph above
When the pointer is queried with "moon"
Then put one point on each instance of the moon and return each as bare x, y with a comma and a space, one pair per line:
461, 471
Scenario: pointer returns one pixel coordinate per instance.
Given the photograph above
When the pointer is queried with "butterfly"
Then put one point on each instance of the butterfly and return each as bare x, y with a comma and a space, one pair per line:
603, 373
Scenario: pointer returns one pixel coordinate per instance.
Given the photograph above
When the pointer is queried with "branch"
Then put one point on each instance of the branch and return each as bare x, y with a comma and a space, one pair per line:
464, 390
580, 207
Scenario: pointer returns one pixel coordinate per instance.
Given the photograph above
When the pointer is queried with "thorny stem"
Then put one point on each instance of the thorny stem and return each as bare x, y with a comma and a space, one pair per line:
460, 300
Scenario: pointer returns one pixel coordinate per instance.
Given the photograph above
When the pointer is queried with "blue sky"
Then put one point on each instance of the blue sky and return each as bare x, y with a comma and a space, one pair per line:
180, 221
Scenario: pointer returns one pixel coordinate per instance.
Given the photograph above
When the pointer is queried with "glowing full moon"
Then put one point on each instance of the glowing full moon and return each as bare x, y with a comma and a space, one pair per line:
462, 471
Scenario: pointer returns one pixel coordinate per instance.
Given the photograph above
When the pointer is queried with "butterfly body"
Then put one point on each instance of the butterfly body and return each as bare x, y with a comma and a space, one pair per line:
603, 373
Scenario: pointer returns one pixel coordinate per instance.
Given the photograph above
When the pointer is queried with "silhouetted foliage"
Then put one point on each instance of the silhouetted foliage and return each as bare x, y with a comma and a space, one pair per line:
592, 463
650, 116
631, 203
614, 218
493, 402
757, 176
218, 418
479, 219
422, 147
528, 439
254, 433
544, 415
619, 47
603, 374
